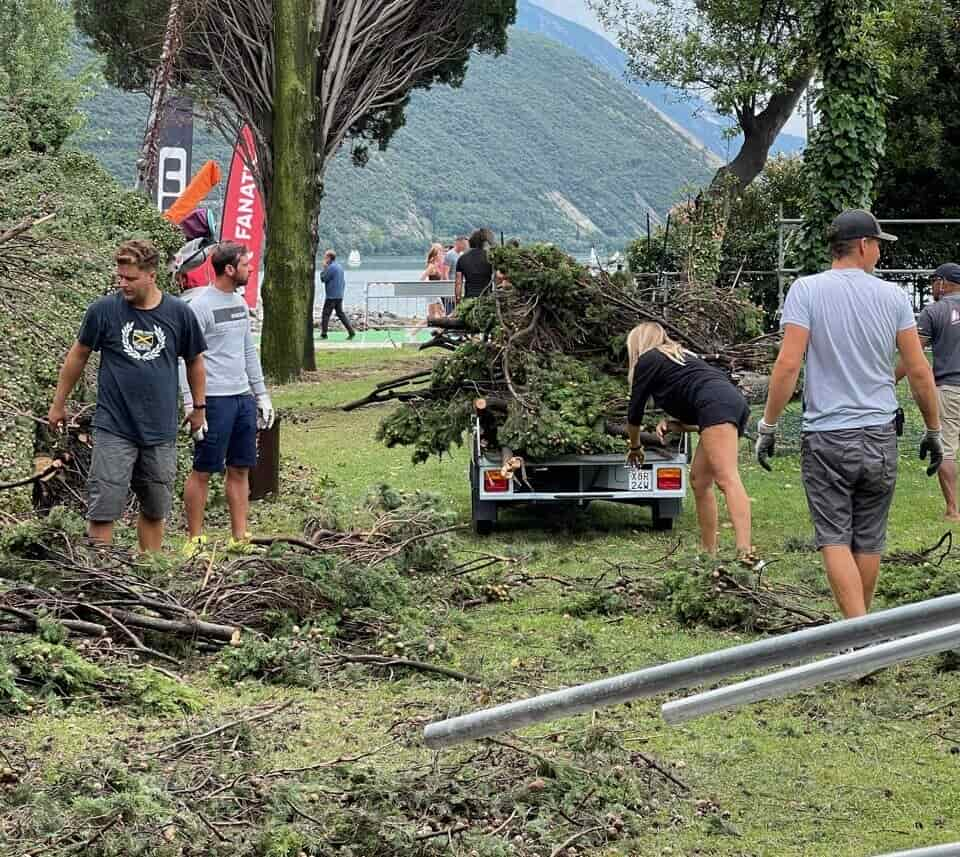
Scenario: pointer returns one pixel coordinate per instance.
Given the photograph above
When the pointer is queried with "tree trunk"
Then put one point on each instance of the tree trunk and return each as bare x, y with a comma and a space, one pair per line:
709, 220
309, 349
291, 221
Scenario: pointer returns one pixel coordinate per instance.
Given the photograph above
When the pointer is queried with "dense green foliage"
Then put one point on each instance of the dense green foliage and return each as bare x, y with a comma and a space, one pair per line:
48, 276
920, 173
461, 162
843, 158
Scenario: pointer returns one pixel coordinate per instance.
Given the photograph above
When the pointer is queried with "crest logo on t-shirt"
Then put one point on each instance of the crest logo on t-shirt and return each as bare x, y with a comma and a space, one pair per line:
142, 344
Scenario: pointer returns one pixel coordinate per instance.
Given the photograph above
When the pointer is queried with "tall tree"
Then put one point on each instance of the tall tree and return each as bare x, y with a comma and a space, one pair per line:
842, 160
751, 58
308, 76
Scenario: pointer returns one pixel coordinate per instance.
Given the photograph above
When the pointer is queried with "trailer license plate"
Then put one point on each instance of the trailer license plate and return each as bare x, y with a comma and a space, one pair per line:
640, 480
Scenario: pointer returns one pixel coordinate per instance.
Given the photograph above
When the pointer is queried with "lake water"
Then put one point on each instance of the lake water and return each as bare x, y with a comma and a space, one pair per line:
379, 269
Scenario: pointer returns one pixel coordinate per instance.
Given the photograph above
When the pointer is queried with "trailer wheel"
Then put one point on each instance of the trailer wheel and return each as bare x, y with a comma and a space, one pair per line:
483, 528
661, 523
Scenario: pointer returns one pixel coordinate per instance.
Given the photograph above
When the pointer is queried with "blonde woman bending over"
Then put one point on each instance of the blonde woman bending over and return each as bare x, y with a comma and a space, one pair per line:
699, 398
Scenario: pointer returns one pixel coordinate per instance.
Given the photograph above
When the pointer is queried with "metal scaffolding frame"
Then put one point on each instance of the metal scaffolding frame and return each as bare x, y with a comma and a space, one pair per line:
785, 224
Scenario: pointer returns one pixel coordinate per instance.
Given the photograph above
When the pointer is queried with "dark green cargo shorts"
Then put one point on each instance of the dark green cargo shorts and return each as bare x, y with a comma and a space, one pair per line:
849, 476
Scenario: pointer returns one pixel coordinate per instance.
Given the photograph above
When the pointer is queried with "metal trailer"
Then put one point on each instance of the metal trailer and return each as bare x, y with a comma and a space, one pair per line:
578, 480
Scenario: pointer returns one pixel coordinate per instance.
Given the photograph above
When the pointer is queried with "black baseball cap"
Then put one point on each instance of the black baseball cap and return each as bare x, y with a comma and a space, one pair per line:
949, 271
856, 223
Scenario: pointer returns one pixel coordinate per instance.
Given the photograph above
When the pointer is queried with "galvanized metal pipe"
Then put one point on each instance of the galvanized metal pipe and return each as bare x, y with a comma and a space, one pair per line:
932, 851
700, 669
785, 682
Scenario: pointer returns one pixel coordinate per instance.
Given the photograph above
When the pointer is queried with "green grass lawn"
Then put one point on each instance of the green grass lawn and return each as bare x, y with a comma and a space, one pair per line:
846, 770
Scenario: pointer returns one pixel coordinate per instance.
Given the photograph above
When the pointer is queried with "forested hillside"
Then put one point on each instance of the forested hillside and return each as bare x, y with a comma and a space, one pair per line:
693, 114
539, 144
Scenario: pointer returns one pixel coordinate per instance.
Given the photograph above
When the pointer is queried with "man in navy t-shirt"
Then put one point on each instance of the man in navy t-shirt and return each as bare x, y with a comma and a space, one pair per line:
140, 332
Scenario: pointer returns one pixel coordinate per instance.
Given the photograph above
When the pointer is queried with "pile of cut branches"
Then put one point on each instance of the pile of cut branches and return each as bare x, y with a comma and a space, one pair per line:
545, 357
53, 576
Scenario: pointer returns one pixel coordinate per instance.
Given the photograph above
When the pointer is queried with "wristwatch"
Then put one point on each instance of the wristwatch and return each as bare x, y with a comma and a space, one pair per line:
202, 407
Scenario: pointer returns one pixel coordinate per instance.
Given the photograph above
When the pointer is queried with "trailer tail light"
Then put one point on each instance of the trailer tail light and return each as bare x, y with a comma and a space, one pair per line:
495, 482
669, 479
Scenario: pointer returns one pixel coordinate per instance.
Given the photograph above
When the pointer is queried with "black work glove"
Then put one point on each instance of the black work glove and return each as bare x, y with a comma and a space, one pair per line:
933, 443
766, 443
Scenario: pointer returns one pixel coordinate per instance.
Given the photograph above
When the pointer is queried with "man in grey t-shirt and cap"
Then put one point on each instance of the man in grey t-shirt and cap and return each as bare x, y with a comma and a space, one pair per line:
849, 323
939, 326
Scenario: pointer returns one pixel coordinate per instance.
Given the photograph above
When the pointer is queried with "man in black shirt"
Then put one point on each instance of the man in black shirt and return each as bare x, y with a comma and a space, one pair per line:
140, 332
474, 271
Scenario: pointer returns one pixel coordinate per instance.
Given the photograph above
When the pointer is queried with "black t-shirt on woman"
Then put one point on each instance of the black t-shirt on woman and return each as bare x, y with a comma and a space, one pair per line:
682, 391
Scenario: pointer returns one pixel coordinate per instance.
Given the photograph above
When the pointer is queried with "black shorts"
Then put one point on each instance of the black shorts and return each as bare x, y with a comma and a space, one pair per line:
724, 404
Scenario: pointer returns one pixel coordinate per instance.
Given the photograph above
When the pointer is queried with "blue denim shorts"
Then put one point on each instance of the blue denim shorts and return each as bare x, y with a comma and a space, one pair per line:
231, 434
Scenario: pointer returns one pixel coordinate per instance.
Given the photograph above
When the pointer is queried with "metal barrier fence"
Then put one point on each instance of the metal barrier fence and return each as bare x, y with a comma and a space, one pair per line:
402, 304
895, 623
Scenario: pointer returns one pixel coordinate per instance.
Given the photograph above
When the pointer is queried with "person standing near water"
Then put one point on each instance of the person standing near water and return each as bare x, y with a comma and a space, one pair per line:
335, 285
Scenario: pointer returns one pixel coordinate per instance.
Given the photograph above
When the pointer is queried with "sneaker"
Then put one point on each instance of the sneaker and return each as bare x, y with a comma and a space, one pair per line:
195, 547
242, 546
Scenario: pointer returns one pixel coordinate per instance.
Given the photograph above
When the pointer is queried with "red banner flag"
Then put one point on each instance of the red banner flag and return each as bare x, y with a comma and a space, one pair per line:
243, 215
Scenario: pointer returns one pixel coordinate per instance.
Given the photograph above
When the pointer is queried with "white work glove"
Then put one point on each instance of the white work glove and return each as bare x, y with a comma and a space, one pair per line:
196, 421
265, 412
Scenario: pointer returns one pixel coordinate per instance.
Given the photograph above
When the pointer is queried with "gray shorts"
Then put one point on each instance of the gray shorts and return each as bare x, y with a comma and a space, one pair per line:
849, 476
119, 465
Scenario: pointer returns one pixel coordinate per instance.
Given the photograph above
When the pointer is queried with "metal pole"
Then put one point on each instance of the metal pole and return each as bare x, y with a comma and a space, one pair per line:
849, 666
690, 672
932, 851
781, 261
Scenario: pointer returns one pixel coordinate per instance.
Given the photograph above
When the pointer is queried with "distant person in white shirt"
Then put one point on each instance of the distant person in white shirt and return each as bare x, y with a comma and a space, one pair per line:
237, 401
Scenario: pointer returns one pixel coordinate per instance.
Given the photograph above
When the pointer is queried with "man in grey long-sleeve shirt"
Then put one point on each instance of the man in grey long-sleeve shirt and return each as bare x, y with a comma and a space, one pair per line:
237, 399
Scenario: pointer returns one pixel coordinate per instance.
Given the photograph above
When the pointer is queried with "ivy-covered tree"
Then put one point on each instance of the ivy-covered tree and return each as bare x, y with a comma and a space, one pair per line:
843, 158
751, 58
307, 75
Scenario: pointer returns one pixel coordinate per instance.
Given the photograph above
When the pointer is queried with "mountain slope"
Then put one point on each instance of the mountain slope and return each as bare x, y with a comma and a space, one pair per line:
539, 144
693, 114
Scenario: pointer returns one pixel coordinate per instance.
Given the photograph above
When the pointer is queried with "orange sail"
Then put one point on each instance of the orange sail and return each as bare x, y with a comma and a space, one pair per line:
207, 177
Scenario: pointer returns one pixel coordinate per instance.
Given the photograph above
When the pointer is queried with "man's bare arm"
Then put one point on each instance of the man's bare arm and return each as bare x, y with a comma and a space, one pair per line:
919, 376
901, 370
197, 378
786, 371
70, 374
